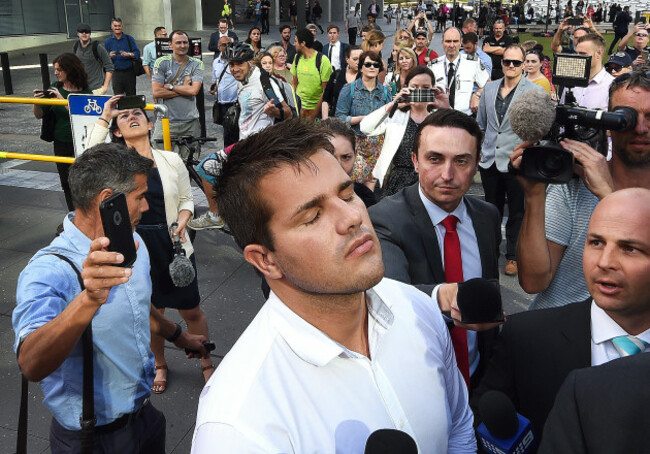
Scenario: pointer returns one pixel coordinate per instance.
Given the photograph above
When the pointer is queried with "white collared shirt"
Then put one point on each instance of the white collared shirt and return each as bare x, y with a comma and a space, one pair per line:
469, 253
468, 73
596, 94
335, 60
287, 387
603, 330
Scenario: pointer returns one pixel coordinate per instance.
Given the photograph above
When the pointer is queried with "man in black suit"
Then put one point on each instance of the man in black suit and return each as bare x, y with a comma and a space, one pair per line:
536, 350
335, 49
221, 32
409, 223
602, 409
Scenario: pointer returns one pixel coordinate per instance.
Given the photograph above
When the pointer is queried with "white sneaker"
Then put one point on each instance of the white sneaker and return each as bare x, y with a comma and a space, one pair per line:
205, 221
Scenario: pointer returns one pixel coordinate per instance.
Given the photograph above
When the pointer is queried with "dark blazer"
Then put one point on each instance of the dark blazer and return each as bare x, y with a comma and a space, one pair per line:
326, 52
410, 250
532, 357
602, 409
214, 41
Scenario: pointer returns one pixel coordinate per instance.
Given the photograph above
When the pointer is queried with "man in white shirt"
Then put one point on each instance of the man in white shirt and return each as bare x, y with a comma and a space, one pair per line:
335, 49
537, 349
321, 366
459, 73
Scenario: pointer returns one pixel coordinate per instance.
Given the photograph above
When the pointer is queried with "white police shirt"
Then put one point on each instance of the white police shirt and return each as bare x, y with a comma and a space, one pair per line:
468, 70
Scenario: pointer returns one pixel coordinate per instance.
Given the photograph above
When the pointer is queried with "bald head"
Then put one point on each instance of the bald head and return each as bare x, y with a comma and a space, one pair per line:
616, 259
451, 43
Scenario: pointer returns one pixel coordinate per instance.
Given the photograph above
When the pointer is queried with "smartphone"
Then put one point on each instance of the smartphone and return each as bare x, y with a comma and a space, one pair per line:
131, 102
422, 95
117, 227
644, 55
642, 19
46, 93
576, 21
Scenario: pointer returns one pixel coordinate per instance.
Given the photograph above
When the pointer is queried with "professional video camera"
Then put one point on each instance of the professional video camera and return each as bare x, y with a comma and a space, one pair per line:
535, 116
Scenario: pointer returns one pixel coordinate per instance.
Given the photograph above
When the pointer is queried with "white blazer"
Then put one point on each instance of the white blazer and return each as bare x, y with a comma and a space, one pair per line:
377, 123
175, 180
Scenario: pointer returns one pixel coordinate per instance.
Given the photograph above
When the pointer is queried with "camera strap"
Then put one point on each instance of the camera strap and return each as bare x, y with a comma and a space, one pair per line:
88, 418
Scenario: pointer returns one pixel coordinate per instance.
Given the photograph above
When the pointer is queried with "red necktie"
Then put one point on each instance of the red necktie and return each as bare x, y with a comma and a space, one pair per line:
454, 273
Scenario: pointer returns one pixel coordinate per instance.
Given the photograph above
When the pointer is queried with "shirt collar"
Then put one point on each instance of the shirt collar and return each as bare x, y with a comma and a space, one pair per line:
437, 214
314, 346
599, 76
604, 328
74, 238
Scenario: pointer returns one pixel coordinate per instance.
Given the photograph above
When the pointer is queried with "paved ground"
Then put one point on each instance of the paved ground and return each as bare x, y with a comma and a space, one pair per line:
31, 207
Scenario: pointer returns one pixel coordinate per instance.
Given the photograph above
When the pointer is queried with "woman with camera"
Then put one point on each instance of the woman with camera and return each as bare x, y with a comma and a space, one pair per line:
72, 78
394, 168
420, 23
170, 200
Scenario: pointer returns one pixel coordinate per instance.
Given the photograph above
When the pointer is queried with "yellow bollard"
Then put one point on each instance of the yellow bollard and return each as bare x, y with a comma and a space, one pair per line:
36, 157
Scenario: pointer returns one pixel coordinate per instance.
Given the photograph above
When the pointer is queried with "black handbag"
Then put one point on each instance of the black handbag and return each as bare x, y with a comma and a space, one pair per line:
231, 118
138, 69
48, 125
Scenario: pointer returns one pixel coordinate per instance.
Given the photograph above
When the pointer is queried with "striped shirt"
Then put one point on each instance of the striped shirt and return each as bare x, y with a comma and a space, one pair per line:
568, 210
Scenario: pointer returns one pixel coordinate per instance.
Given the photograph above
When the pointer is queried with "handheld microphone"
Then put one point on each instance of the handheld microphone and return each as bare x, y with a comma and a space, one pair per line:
503, 430
390, 441
532, 115
479, 301
180, 269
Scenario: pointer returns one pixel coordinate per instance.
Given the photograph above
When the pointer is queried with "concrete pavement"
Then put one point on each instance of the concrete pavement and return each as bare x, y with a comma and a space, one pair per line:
31, 207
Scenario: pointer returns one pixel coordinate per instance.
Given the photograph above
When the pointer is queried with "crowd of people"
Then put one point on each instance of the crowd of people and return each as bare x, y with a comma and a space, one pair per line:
345, 180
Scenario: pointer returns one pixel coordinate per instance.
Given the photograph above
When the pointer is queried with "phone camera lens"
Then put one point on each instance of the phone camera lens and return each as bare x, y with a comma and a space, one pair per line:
117, 218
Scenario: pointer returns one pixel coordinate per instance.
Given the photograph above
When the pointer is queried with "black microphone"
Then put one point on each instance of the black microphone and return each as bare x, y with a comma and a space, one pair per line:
479, 301
390, 441
503, 430
180, 269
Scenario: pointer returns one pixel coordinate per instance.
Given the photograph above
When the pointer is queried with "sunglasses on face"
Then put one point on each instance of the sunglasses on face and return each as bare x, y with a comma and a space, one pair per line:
641, 35
84, 32
613, 68
515, 63
373, 64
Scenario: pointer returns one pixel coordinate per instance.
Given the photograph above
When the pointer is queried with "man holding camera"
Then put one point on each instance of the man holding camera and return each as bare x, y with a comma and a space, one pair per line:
640, 44
53, 310
553, 232
586, 26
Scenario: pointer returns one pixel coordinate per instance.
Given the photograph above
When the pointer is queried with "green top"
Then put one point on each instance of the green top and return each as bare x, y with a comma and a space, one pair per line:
310, 82
62, 128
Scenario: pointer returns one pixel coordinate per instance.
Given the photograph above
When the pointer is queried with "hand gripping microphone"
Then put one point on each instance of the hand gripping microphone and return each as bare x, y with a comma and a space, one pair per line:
503, 430
390, 441
180, 269
479, 301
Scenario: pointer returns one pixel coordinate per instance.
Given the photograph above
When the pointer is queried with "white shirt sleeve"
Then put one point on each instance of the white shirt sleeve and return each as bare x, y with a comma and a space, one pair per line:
214, 438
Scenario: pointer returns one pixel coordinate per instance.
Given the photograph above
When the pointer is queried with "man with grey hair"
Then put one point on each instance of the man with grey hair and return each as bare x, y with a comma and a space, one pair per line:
56, 301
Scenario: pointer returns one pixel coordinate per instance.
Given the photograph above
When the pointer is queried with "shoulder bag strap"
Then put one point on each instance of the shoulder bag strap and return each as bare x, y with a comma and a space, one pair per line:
216, 91
180, 70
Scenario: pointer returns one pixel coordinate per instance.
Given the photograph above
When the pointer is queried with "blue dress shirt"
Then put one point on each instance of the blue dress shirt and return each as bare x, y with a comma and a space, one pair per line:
113, 44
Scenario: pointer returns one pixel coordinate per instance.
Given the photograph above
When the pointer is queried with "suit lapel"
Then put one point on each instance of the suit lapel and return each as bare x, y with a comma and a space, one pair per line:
575, 341
427, 233
482, 230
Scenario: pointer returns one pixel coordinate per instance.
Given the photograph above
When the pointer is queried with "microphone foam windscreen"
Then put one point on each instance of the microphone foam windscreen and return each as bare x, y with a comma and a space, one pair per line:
181, 271
479, 301
498, 414
532, 115
385, 441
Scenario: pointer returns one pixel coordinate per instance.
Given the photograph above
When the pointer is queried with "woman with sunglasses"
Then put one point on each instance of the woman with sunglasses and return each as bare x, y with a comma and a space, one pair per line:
356, 100
255, 39
533, 66
169, 195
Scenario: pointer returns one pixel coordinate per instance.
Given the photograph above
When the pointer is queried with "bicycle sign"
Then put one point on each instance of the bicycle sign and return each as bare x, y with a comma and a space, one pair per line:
84, 111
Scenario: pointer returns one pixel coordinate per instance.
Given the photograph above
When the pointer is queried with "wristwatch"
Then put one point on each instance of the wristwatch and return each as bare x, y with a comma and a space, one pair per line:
171, 87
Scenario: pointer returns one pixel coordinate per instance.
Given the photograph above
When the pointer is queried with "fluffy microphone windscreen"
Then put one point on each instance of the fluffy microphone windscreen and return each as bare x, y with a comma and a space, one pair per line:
181, 271
479, 301
532, 115
498, 414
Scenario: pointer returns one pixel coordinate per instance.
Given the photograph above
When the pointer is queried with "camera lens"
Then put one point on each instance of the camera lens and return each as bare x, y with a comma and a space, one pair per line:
117, 218
552, 165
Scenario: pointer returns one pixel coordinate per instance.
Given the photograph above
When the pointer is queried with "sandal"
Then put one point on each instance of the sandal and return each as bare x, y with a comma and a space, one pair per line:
206, 368
159, 386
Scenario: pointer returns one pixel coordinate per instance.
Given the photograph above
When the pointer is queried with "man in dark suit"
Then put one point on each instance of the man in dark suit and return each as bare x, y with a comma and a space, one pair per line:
536, 350
335, 49
223, 31
602, 409
410, 223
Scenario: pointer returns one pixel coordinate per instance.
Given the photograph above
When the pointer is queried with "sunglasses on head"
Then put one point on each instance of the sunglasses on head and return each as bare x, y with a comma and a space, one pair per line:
372, 64
515, 63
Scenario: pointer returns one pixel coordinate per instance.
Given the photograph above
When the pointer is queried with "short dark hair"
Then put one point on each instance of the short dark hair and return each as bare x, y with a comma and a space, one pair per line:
244, 208
470, 37
450, 118
367, 28
337, 127
282, 27
74, 69
515, 46
223, 20
594, 38
639, 78
177, 32
469, 21
305, 36
374, 56
105, 166
116, 19
416, 71
114, 127
331, 26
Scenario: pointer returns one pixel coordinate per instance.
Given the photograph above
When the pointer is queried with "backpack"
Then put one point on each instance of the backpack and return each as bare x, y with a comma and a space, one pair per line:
267, 87
95, 52
319, 59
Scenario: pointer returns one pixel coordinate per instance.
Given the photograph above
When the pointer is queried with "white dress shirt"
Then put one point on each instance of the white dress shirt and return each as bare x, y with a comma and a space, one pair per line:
468, 72
286, 387
335, 58
603, 330
469, 254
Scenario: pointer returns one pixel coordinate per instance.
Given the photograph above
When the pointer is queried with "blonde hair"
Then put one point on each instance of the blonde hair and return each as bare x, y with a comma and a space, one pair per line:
408, 33
372, 37
275, 50
410, 53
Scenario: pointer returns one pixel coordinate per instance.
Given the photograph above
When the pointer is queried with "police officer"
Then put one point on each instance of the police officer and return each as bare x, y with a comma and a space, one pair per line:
459, 74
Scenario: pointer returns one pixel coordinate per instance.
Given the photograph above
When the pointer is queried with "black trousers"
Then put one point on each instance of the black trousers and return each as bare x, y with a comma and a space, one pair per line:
144, 435
124, 82
352, 36
497, 186
65, 149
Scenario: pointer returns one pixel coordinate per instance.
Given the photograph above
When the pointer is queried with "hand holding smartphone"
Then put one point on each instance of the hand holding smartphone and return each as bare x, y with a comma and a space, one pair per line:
116, 221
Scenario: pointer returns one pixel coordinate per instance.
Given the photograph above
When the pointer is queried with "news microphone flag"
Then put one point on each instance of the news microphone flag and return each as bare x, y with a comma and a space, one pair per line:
523, 442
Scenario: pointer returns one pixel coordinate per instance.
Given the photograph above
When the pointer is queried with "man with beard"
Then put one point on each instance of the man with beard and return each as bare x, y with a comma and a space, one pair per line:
285, 42
321, 366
